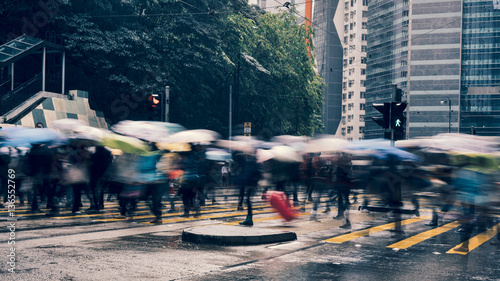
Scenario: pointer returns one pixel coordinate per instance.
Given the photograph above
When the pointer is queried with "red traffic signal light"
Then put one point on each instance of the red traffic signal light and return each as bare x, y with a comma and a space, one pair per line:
154, 99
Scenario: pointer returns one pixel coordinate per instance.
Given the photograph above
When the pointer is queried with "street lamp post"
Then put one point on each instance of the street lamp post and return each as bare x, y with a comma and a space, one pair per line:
449, 112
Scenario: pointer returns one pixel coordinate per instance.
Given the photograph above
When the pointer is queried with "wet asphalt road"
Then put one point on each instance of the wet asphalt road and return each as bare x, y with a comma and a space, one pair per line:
99, 247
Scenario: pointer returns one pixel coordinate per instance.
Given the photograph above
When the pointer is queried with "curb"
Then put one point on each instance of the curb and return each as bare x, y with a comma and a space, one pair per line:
228, 235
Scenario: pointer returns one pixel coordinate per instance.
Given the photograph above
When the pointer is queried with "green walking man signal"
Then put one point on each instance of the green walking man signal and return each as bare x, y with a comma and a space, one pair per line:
392, 117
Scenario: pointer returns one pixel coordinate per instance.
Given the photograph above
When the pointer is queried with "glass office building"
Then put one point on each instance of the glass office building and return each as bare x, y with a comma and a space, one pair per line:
480, 77
387, 56
329, 61
444, 55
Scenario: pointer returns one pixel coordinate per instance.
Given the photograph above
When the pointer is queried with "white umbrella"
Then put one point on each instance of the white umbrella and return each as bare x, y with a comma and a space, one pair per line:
461, 143
285, 154
192, 136
67, 124
325, 145
237, 145
289, 139
91, 132
263, 155
141, 130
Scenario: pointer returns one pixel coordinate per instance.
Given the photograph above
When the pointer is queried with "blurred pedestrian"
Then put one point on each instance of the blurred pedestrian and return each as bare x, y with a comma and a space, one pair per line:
189, 182
5, 160
100, 161
343, 187
225, 175
156, 182
76, 175
322, 184
39, 164
295, 181
247, 180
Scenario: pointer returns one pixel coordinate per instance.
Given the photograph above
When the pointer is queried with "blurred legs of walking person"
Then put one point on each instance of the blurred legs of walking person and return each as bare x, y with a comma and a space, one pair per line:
52, 201
171, 194
77, 196
95, 195
127, 207
188, 200
249, 194
156, 191
344, 204
241, 197
319, 188
35, 191
466, 228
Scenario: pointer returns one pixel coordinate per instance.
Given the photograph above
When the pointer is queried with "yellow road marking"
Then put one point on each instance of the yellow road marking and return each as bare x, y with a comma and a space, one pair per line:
476, 241
141, 211
403, 244
364, 232
215, 216
192, 218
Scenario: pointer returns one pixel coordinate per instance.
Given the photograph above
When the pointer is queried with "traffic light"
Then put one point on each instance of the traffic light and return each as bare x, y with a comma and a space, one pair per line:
398, 120
385, 109
155, 106
398, 93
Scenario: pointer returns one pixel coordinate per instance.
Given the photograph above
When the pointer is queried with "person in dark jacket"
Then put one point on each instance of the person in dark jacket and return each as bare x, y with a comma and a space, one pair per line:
4, 167
99, 163
190, 182
247, 180
39, 164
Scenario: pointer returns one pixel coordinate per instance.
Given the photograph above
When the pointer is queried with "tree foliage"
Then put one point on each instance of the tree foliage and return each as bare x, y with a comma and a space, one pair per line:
130, 48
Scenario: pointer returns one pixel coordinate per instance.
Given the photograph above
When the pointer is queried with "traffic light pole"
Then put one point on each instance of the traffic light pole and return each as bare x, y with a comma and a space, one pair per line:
166, 103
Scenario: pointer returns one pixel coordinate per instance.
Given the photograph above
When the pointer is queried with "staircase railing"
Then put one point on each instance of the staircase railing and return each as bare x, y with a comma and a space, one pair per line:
20, 94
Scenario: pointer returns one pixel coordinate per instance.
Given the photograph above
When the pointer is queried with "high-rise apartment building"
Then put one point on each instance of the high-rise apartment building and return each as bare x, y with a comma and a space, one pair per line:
444, 55
353, 30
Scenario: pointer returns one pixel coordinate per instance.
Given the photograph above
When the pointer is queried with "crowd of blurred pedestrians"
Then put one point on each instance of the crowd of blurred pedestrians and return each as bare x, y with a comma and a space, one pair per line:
60, 174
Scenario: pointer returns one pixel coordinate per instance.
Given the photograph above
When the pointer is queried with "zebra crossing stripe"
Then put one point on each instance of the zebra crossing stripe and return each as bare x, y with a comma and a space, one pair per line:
476, 241
406, 243
365, 232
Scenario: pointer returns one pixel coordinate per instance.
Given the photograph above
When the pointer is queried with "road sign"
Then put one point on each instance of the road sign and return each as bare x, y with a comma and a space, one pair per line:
247, 128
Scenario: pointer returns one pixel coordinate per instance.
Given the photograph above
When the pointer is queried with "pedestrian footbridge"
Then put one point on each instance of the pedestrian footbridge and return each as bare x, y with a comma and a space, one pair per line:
32, 86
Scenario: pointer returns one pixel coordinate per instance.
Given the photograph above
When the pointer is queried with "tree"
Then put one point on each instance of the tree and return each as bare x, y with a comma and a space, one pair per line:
121, 51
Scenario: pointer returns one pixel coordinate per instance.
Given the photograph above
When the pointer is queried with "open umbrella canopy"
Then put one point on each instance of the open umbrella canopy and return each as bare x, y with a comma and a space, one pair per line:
289, 139
328, 144
126, 144
192, 136
264, 155
67, 124
379, 149
143, 130
174, 147
93, 133
285, 154
171, 127
35, 136
218, 154
475, 161
462, 143
236, 145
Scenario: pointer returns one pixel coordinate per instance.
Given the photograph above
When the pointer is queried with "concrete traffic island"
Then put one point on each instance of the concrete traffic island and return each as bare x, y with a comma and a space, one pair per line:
231, 235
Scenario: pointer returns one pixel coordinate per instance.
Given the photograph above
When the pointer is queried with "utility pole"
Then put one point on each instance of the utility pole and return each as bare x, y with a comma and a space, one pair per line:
166, 102
230, 111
